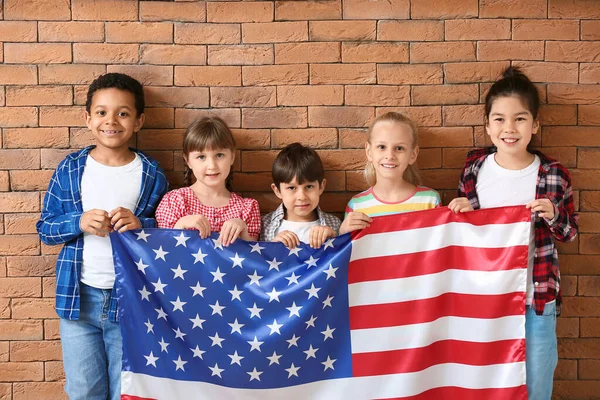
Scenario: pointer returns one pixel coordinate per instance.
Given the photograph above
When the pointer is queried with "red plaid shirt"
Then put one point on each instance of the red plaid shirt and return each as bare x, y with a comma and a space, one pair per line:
554, 183
181, 202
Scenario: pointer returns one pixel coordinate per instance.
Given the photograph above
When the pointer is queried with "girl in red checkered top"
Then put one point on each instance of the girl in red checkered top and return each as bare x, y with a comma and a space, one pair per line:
208, 204
510, 173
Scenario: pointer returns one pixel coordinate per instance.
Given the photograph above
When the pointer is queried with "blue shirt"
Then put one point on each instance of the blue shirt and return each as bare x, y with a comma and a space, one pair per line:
61, 215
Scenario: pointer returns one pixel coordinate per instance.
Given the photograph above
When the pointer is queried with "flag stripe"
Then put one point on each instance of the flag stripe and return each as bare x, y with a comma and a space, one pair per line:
452, 257
447, 328
437, 237
357, 388
442, 352
453, 392
423, 219
434, 285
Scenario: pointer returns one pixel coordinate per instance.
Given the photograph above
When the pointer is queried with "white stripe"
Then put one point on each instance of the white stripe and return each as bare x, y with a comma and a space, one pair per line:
441, 236
433, 285
384, 386
445, 328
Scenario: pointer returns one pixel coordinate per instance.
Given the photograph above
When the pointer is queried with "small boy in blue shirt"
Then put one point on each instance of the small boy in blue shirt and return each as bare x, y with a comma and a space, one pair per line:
102, 188
299, 181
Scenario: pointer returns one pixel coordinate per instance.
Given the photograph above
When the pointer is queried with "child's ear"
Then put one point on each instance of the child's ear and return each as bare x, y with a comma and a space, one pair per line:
487, 126
276, 190
536, 126
232, 156
185, 159
414, 155
88, 120
368, 151
139, 122
322, 186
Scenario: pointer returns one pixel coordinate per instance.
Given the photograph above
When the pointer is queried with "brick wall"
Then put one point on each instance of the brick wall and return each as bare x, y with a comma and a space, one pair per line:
278, 72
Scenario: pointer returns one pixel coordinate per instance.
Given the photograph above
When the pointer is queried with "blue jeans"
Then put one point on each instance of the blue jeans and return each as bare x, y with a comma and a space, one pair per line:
92, 349
541, 351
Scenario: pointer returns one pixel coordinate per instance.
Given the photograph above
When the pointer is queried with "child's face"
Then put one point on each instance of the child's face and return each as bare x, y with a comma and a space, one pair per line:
211, 167
511, 125
113, 118
300, 200
390, 150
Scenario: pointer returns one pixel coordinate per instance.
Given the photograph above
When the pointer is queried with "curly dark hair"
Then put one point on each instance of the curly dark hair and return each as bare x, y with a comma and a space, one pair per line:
121, 82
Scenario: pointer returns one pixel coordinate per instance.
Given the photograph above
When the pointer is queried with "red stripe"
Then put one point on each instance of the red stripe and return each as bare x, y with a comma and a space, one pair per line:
442, 352
434, 261
452, 392
129, 397
427, 310
441, 216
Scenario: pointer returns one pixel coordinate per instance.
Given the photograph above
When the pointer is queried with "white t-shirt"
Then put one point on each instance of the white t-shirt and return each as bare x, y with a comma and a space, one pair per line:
106, 188
301, 229
498, 187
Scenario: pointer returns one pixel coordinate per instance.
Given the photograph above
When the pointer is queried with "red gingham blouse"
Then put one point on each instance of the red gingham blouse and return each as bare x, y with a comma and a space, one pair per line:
179, 203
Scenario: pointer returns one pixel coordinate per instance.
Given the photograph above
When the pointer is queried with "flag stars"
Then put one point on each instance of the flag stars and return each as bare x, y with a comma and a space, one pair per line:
216, 340
293, 341
254, 311
151, 360
149, 326
254, 374
179, 334
274, 327
160, 253
198, 353
141, 266
181, 239
237, 261
218, 275
179, 272
256, 248
255, 278
163, 345
159, 286
236, 326
179, 363
178, 304
274, 295
197, 322
294, 309
274, 264
295, 251
274, 359
217, 244
311, 322
328, 333
310, 353
293, 278
217, 308
329, 243
145, 293
199, 256
235, 358
255, 344
311, 262
292, 371
141, 235
330, 272
161, 313
313, 291
216, 371
327, 301
198, 290
328, 363
235, 293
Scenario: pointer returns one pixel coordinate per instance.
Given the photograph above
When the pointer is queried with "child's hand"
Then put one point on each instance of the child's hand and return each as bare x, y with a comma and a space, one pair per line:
95, 222
288, 238
459, 205
197, 221
122, 219
355, 221
544, 208
319, 234
231, 230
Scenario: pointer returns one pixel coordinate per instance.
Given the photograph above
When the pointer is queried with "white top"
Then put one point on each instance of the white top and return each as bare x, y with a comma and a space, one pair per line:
301, 229
106, 188
498, 187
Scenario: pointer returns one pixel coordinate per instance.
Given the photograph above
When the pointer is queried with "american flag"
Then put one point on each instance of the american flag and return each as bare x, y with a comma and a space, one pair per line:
424, 305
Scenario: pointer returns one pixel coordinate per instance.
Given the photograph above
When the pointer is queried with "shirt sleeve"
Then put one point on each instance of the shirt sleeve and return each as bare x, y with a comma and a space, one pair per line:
251, 216
564, 225
170, 210
349, 208
56, 226
159, 188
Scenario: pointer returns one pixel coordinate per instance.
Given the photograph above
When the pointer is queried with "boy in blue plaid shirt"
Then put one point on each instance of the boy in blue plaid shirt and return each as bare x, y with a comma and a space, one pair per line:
299, 181
102, 188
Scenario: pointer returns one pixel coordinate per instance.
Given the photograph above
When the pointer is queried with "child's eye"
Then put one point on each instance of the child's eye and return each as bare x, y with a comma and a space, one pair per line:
101, 113
291, 188
220, 155
499, 119
399, 148
123, 114
201, 157
310, 186
520, 119
381, 147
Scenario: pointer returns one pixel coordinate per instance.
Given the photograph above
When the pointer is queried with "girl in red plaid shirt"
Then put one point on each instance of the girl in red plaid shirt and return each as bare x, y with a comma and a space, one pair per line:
510, 173
208, 204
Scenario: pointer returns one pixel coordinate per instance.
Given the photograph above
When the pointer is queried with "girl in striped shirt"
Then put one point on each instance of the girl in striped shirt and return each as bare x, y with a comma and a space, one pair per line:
392, 150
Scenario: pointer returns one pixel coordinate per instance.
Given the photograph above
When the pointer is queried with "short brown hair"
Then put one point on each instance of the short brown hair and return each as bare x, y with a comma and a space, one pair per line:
297, 161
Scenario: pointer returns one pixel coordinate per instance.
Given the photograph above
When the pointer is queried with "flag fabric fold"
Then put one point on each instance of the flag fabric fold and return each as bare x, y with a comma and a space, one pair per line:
423, 305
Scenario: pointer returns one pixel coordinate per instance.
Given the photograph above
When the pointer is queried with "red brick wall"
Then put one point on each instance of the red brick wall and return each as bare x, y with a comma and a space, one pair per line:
277, 72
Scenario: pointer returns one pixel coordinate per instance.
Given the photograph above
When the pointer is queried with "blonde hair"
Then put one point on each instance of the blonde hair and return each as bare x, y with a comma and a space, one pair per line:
411, 174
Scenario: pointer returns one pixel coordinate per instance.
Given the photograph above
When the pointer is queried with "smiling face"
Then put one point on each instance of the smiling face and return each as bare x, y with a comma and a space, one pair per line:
391, 149
211, 167
113, 119
300, 199
511, 126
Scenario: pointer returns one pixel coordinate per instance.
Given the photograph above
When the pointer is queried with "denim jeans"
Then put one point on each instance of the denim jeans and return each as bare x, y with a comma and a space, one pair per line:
541, 351
92, 349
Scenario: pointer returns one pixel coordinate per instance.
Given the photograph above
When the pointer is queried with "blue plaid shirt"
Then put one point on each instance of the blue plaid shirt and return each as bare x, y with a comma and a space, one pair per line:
59, 223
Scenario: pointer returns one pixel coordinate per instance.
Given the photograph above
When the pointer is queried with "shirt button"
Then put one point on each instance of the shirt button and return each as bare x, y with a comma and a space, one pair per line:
536, 283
